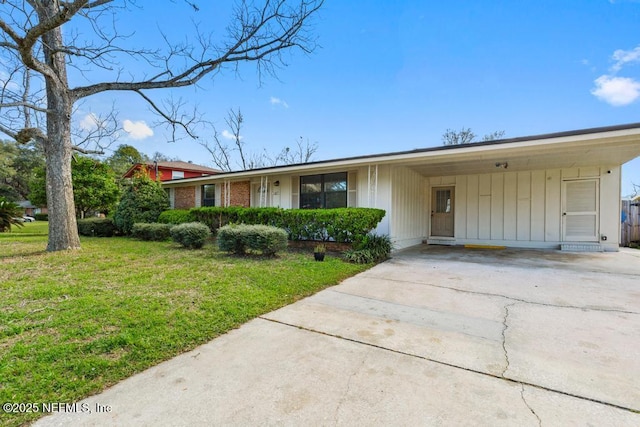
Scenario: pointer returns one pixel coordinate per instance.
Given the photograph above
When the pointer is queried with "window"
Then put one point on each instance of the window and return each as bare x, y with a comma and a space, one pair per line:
323, 191
177, 174
209, 195
443, 201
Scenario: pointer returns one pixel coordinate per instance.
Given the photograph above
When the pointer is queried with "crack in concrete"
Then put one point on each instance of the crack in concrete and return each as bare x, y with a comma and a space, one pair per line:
529, 406
606, 310
505, 326
343, 398
451, 365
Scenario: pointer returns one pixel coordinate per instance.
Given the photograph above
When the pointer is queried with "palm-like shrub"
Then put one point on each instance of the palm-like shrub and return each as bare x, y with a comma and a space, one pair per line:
10, 214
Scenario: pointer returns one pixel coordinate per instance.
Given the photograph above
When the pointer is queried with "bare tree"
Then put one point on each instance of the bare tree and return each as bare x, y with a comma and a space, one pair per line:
493, 136
234, 155
37, 100
466, 136
224, 153
302, 153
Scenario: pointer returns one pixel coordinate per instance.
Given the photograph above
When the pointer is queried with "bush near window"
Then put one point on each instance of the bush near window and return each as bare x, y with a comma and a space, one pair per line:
190, 234
97, 227
41, 217
342, 225
263, 238
151, 231
372, 248
176, 216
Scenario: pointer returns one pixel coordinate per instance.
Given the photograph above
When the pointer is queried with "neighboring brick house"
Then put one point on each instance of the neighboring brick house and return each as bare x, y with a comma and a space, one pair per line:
172, 170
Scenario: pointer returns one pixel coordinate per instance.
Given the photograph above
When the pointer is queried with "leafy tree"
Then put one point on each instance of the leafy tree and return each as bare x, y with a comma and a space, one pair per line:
160, 157
466, 136
8, 153
123, 158
9, 214
95, 187
39, 40
143, 200
17, 167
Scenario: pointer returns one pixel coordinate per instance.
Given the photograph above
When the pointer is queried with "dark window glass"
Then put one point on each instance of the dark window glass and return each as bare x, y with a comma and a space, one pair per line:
323, 191
209, 195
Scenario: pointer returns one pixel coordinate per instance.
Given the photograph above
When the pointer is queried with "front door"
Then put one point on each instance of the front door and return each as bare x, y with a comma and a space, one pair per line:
442, 211
580, 210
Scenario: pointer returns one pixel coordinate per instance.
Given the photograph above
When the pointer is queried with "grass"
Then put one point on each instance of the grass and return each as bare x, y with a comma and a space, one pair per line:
74, 323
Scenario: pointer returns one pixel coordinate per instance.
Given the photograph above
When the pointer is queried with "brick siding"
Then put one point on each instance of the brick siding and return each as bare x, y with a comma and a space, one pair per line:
240, 194
184, 198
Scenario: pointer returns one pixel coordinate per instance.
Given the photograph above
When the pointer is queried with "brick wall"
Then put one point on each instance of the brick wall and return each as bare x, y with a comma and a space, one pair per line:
240, 194
184, 198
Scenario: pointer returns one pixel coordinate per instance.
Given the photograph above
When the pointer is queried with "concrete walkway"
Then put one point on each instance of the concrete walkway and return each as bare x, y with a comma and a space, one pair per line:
435, 336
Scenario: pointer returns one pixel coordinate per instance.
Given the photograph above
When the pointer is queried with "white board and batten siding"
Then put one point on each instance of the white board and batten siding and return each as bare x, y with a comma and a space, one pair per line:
408, 215
525, 208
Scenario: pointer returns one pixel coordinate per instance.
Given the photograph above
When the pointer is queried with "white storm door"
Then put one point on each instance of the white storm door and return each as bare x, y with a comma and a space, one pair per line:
580, 210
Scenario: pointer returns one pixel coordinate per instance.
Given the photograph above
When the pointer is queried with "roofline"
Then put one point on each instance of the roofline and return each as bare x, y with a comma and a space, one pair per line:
386, 156
211, 171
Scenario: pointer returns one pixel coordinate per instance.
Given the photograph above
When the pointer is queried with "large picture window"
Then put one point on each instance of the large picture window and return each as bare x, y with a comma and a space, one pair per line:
323, 191
209, 195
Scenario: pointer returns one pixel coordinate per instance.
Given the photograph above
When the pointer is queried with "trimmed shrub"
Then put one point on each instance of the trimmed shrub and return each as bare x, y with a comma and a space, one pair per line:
372, 248
239, 239
342, 225
41, 217
176, 216
190, 234
151, 231
97, 227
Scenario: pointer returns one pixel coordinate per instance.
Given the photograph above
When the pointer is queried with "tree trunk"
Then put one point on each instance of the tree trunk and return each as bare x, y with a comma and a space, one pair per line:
63, 230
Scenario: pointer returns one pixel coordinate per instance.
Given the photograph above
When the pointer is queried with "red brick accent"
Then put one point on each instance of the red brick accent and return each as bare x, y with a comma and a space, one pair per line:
184, 197
240, 194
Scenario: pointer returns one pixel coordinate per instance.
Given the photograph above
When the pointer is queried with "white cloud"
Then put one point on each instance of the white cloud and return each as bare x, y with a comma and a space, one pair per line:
617, 91
137, 130
614, 90
228, 135
623, 57
278, 101
89, 122
7, 83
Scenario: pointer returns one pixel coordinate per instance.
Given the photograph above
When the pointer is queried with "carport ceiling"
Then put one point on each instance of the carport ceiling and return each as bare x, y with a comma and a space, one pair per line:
533, 157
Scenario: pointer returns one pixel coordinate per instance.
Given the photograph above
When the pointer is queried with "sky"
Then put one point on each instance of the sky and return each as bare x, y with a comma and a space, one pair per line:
395, 75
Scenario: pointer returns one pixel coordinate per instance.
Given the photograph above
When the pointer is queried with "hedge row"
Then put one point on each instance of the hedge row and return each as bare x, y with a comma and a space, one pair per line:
176, 216
339, 225
97, 227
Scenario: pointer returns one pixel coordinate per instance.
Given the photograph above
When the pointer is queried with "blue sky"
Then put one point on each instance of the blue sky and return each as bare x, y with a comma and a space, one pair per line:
395, 75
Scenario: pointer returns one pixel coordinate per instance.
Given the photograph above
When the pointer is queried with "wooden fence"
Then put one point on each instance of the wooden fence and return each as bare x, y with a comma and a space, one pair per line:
630, 230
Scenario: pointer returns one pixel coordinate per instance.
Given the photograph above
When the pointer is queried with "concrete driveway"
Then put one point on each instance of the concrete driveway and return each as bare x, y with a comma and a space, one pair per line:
435, 336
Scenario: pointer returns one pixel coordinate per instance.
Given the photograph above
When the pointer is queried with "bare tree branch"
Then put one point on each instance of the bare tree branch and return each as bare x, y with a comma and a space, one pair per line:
223, 155
41, 39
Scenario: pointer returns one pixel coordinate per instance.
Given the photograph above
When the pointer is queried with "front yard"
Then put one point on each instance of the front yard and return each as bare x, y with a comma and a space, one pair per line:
74, 323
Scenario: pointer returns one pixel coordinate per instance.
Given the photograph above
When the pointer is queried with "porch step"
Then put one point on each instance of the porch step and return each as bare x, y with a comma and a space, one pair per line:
581, 247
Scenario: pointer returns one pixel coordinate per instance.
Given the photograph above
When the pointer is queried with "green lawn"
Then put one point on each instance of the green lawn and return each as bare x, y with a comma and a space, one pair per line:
73, 323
